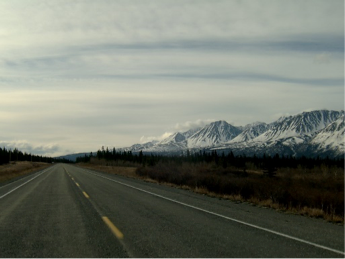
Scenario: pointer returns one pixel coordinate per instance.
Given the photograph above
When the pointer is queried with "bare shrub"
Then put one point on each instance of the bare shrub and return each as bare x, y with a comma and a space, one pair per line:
315, 192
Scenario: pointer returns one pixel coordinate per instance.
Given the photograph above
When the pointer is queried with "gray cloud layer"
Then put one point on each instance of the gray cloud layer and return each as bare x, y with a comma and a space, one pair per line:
82, 74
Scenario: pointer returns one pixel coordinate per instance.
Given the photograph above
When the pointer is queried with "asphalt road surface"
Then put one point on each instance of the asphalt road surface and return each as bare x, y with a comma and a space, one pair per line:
67, 211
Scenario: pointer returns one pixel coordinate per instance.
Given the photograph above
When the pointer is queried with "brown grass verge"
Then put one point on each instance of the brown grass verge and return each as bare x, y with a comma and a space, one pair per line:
119, 170
16, 169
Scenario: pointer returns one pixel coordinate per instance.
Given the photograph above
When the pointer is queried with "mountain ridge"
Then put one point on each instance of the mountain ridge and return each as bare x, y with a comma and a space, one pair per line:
310, 133
289, 135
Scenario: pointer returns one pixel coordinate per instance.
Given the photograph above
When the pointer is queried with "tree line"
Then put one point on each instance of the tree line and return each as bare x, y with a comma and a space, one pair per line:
265, 162
8, 155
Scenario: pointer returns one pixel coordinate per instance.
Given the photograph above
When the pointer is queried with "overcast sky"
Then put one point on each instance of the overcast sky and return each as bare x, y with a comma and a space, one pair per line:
78, 75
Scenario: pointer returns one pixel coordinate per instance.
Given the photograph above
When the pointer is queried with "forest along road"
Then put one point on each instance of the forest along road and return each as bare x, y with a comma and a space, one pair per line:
67, 211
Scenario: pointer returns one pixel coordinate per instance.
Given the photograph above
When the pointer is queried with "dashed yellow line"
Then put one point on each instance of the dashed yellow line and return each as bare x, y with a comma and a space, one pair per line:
86, 196
106, 220
113, 228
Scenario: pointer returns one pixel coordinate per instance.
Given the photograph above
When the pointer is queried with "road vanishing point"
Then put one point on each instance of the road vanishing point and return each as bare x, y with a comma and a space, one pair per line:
68, 211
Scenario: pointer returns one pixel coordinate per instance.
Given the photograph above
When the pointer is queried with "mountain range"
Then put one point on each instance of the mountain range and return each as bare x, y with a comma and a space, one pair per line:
314, 133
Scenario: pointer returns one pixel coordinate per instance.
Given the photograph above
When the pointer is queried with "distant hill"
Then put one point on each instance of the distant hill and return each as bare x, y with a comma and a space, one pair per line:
73, 157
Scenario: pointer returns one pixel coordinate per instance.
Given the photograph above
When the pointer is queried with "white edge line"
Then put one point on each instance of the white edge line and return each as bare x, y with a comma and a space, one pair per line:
23, 184
228, 218
22, 178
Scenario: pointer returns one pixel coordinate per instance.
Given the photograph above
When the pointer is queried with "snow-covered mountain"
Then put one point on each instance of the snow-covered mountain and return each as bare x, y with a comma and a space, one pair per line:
250, 132
139, 147
174, 138
289, 135
213, 134
173, 143
190, 132
300, 126
306, 133
331, 138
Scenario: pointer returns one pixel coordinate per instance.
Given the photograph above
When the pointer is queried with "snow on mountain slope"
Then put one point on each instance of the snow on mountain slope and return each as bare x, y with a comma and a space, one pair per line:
174, 143
250, 132
213, 134
307, 133
331, 137
174, 138
190, 132
300, 126
139, 147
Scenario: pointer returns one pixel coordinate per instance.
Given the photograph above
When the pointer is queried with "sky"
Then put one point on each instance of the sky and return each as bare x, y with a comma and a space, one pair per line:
79, 75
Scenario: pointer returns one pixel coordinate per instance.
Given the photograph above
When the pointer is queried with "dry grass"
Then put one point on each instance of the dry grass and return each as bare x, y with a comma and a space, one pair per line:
16, 169
317, 192
119, 170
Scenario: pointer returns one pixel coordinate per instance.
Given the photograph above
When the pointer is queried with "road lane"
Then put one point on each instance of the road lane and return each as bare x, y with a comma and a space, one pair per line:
68, 211
50, 217
156, 227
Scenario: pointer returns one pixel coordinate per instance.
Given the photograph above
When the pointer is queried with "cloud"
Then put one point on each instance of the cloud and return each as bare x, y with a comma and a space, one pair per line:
107, 72
281, 60
35, 149
181, 127
145, 139
323, 58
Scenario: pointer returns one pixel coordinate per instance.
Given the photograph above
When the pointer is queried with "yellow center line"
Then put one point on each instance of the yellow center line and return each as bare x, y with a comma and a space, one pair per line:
112, 227
72, 178
77, 184
85, 194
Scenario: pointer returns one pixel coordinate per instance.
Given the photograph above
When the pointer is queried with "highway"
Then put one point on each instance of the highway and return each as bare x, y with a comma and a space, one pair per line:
68, 211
